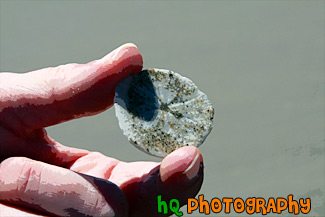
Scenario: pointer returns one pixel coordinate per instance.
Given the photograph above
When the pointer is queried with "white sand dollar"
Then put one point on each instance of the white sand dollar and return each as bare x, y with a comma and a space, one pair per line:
160, 111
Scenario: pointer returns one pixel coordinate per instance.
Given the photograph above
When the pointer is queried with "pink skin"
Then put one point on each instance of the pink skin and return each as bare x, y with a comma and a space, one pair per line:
39, 176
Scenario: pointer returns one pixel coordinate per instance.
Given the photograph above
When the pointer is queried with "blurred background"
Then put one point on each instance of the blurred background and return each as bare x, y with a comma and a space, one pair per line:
261, 63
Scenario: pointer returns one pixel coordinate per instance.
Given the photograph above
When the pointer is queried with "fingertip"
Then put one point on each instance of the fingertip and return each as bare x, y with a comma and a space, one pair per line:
184, 162
126, 51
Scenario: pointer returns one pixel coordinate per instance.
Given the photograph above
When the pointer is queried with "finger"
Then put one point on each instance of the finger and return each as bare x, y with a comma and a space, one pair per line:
181, 166
179, 176
95, 164
52, 95
9, 211
38, 146
57, 191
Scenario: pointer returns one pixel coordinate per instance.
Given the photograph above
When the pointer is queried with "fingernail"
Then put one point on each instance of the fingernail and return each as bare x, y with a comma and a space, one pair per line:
192, 170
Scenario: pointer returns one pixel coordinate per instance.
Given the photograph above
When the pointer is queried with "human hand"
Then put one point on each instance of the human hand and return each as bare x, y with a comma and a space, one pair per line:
39, 176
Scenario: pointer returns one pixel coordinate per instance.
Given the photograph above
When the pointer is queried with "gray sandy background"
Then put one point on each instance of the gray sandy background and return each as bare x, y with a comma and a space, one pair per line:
261, 63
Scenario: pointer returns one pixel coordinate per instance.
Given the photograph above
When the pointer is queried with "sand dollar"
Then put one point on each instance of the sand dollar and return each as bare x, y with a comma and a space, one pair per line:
159, 111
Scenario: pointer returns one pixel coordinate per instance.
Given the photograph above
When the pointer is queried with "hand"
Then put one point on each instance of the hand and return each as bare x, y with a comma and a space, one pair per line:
39, 176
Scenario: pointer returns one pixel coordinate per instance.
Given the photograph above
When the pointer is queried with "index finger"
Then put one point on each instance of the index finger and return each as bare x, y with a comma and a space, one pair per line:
53, 95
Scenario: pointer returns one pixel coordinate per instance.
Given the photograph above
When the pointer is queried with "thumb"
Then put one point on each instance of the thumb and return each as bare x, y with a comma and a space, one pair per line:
181, 166
180, 176
52, 95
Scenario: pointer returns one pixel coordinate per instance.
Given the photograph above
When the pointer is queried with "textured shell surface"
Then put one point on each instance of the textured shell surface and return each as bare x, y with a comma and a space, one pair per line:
159, 111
